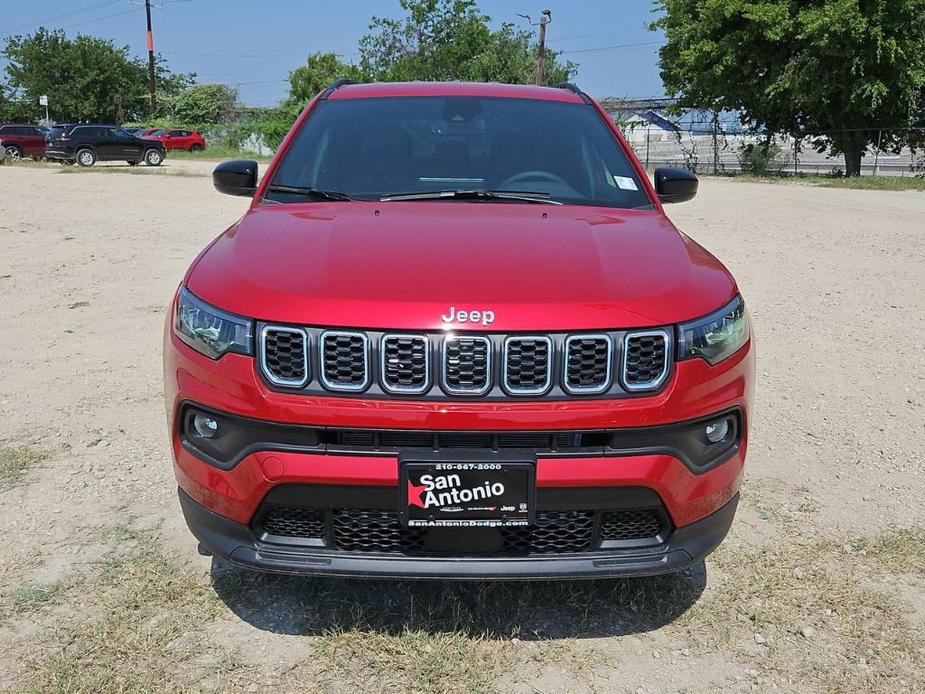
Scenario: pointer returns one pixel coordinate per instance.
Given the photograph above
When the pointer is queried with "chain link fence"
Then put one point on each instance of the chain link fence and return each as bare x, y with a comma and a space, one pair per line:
717, 148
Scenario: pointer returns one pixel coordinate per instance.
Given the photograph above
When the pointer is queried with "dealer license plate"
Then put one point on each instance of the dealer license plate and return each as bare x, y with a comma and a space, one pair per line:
461, 494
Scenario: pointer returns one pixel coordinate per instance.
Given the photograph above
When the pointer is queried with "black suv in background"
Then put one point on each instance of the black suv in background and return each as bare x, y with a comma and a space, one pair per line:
88, 143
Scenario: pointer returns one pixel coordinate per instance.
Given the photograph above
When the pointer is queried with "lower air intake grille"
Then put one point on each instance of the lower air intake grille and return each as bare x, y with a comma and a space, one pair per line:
527, 369
404, 363
637, 524
588, 363
381, 531
285, 356
553, 532
287, 521
373, 531
467, 365
645, 360
344, 360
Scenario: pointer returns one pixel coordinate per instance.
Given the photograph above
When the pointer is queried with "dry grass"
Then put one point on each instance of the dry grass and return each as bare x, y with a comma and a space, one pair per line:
824, 622
810, 612
140, 635
133, 170
15, 463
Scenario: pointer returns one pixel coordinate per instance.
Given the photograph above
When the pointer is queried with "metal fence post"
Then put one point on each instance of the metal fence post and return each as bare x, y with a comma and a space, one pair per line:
648, 127
877, 155
715, 142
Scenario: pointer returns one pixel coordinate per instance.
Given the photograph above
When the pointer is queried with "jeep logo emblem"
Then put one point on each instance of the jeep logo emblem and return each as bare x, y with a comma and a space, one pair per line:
482, 316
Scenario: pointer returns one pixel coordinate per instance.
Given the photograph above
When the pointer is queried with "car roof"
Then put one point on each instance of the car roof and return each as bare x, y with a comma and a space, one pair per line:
490, 89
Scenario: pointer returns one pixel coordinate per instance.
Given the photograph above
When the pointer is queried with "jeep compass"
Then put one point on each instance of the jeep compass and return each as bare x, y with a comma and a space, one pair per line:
456, 336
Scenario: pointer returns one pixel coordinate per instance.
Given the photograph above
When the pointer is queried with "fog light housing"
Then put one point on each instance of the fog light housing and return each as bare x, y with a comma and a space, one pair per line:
717, 431
205, 426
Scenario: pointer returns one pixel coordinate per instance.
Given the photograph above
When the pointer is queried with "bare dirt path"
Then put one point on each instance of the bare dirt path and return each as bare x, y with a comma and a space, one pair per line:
819, 587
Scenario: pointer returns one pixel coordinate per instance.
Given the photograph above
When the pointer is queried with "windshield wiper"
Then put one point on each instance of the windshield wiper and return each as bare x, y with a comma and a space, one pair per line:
309, 192
519, 195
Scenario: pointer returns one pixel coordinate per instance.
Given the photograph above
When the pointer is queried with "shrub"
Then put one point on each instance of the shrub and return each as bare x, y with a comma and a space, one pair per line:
762, 159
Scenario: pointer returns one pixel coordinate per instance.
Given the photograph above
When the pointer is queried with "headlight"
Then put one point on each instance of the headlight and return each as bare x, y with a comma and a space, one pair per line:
716, 336
209, 330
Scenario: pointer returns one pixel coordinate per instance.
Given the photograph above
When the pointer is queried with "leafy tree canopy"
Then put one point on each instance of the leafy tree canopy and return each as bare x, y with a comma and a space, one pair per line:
204, 104
319, 71
436, 40
85, 78
844, 67
452, 40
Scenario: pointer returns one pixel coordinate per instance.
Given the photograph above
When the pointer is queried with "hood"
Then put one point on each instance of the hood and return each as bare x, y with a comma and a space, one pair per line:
404, 265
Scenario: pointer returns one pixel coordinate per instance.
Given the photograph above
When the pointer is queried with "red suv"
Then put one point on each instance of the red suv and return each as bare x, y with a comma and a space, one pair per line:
455, 336
23, 141
189, 140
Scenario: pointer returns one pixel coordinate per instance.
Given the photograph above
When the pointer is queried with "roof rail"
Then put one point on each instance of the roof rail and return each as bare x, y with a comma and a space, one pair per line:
343, 81
572, 88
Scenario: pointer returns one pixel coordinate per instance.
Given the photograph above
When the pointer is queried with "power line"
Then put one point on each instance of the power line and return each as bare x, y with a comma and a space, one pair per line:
100, 19
592, 36
613, 48
63, 15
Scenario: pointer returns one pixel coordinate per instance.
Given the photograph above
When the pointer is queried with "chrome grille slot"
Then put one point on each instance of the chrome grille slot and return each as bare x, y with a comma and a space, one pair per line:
284, 355
344, 360
405, 363
588, 363
645, 359
527, 365
466, 365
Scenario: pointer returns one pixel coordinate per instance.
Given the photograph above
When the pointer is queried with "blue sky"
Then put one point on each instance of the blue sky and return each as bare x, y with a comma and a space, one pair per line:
254, 45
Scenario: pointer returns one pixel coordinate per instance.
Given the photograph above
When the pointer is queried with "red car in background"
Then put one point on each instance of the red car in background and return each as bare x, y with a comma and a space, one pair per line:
189, 140
23, 140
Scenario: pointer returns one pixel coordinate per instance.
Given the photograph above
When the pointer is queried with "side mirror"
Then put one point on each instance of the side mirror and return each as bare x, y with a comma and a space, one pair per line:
675, 185
236, 177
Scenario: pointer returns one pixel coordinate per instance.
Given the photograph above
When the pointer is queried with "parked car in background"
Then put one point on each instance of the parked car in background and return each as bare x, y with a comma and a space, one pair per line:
23, 140
88, 143
189, 140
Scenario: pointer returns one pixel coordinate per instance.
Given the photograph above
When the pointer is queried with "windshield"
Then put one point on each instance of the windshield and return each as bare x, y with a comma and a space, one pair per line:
373, 148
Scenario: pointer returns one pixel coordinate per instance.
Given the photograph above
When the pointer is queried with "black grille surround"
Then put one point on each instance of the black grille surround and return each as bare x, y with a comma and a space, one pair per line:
588, 363
344, 360
644, 363
405, 363
474, 366
284, 357
527, 365
379, 531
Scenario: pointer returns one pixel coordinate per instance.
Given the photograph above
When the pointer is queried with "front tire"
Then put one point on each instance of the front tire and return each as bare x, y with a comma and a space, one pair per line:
86, 157
14, 153
153, 157
195, 147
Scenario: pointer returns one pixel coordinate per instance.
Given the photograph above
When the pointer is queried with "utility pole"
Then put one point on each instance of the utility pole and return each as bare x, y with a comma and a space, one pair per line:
545, 18
151, 83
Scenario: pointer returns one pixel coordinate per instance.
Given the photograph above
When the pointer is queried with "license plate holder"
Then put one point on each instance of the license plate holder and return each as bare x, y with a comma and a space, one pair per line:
467, 493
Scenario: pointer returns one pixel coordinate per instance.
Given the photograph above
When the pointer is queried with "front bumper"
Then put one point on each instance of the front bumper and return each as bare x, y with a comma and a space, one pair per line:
236, 543
222, 504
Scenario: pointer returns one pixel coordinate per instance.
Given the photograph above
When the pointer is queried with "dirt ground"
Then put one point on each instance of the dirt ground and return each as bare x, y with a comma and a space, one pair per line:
820, 586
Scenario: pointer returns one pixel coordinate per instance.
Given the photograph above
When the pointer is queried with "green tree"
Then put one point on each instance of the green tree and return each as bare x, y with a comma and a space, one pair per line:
85, 78
204, 104
452, 40
848, 68
319, 71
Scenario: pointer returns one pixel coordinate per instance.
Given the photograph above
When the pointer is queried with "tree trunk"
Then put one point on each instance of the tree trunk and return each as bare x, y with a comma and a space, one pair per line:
853, 160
